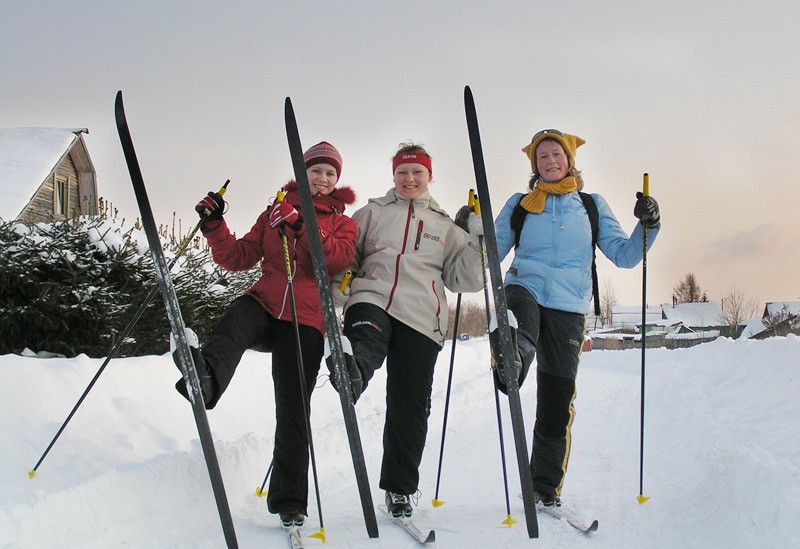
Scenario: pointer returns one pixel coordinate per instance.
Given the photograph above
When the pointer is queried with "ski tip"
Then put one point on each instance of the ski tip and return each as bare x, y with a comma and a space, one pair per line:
593, 526
642, 499
431, 537
437, 502
467, 93
32, 473
509, 521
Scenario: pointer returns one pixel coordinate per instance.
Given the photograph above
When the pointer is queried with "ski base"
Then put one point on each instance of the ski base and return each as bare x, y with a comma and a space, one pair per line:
412, 530
329, 316
295, 537
572, 520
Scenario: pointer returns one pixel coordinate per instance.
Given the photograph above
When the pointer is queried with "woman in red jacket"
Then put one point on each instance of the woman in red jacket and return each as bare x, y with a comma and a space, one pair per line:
262, 317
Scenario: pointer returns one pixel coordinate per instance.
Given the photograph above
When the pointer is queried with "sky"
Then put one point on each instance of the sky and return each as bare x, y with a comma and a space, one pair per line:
721, 463
704, 97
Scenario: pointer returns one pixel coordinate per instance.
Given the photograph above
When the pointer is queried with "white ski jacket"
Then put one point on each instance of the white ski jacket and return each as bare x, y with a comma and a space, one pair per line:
407, 253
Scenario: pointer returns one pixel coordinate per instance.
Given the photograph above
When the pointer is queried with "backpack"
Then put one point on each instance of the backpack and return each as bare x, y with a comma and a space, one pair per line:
518, 219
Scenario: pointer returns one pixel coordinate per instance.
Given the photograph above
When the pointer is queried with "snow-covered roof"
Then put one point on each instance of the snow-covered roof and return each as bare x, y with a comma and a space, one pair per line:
694, 314
27, 156
623, 314
774, 307
752, 327
700, 334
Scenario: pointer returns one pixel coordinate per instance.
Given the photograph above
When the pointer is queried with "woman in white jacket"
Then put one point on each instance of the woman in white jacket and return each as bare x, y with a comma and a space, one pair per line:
408, 251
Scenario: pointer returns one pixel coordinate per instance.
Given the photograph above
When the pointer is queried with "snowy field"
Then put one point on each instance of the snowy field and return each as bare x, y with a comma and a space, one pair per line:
722, 454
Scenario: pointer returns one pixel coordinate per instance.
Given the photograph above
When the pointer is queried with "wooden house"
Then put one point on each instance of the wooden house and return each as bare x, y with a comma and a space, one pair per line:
46, 174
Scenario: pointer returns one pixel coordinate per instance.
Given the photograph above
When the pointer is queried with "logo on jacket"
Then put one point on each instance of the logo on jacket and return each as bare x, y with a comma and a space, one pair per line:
432, 237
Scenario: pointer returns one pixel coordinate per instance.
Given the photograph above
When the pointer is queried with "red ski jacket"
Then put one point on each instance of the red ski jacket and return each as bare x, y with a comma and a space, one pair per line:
337, 231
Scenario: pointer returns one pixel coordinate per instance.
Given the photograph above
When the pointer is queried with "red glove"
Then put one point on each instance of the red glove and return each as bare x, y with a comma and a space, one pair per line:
283, 213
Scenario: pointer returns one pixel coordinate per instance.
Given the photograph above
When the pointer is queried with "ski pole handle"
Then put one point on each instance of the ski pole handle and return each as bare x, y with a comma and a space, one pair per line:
346, 280
474, 203
224, 187
280, 196
646, 185
220, 192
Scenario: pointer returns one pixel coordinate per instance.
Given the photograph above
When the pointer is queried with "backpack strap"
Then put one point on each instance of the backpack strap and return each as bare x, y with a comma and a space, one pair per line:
518, 220
594, 221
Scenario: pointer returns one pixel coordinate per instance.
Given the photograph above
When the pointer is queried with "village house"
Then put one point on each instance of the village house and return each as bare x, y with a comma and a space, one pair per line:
778, 319
46, 174
670, 325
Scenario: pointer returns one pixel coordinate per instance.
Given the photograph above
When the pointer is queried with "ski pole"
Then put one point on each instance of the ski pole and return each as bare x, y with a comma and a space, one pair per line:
509, 520
646, 192
124, 335
260, 490
301, 370
436, 502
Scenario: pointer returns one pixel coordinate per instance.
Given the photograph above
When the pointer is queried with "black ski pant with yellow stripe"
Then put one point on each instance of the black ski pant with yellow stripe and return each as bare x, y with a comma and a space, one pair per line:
559, 339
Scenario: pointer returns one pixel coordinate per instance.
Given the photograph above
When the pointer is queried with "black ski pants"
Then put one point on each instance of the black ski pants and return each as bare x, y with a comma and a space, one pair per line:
410, 359
559, 340
247, 325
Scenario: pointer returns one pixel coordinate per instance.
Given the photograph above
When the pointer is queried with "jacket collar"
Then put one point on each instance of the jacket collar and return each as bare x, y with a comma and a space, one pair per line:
340, 198
425, 200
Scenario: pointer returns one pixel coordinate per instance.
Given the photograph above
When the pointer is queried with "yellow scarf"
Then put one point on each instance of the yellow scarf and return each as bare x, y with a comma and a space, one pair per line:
534, 200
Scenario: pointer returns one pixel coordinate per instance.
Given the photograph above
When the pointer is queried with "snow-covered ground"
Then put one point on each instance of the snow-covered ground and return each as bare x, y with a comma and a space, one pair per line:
721, 460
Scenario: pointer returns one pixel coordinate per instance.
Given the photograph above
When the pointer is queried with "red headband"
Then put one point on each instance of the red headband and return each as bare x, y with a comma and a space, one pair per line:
412, 158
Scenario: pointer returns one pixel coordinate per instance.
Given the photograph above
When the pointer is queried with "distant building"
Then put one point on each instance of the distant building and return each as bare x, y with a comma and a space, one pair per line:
631, 317
779, 319
668, 325
46, 174
695, 317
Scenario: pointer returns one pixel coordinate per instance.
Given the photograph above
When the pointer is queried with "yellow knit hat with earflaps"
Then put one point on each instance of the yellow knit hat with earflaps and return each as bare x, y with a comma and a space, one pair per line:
534, 201
569, 142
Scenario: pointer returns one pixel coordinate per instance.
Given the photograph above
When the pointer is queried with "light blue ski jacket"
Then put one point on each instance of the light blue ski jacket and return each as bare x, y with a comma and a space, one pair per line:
554, 257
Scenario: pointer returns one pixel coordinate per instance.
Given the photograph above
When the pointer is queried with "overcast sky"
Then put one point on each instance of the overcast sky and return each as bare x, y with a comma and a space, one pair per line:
704, 96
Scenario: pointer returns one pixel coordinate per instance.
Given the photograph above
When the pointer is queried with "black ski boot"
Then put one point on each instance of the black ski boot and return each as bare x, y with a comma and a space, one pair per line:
207, 383
398, 505
353, 371
523, 347
292, 518
548, 500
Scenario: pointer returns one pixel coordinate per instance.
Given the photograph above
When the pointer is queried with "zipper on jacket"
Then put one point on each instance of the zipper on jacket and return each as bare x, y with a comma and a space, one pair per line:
438, 308
400, 255
419, 235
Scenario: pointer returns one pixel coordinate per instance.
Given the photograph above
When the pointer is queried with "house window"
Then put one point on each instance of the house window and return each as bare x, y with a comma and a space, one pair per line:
61, 197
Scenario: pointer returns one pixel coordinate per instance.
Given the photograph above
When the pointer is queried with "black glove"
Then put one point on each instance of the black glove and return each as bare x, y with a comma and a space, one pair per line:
211, 207
646, 209
462, 217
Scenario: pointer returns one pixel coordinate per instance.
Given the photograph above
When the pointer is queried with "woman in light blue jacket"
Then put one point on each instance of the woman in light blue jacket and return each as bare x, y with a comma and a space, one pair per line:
549, 286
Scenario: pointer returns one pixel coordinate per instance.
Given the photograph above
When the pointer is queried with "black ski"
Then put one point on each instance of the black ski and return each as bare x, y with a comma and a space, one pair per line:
176, 323
501, 308
331, 323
